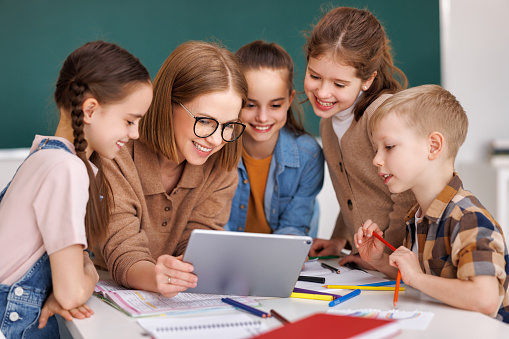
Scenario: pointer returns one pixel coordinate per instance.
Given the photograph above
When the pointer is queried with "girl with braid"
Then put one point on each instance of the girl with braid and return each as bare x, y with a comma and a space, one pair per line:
53, 204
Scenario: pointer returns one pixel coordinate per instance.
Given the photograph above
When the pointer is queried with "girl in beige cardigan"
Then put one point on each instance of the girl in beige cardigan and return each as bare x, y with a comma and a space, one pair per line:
350, 72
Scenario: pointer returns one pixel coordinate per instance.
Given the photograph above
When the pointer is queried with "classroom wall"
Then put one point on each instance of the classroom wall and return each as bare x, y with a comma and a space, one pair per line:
474, 49
37, 35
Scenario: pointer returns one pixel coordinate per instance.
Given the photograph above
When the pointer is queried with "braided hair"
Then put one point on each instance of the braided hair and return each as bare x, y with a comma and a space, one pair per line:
107, 73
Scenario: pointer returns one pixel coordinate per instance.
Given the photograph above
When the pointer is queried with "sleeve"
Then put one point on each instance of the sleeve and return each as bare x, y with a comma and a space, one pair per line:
478, 247
60, 205
296, 218
126, 242
212, 210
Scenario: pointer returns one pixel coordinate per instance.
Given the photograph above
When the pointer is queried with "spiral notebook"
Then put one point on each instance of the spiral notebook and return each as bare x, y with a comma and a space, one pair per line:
228, 326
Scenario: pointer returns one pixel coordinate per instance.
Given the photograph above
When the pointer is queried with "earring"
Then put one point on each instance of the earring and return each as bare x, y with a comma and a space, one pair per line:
365, 87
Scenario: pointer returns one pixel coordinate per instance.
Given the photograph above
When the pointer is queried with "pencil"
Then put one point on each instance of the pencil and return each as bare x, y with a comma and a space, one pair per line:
279, 317
329, 267
312, 296
365, 288
303, 290
325, 257
384, 241
345, 298
246, 308
318, 280
398, 279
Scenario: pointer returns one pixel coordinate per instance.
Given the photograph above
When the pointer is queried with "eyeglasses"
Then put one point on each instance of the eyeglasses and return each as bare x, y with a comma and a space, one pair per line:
204, 127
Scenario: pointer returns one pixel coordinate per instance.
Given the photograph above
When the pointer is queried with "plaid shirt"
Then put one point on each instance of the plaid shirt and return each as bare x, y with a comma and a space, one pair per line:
458, 238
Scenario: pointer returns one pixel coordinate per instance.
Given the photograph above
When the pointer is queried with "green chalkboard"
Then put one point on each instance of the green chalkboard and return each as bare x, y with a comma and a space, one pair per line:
37, 35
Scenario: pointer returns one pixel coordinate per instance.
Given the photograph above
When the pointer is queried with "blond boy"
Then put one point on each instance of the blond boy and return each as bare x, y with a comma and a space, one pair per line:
454, 249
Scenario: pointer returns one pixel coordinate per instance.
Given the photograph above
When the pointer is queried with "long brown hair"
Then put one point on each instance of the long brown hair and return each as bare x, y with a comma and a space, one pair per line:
194, 68
354, 37
107, 73
262, 55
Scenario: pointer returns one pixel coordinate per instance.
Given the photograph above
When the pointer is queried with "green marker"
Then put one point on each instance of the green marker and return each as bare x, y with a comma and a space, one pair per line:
326, 257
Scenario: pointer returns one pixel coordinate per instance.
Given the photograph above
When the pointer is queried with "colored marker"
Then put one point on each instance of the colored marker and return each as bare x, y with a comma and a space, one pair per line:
365, 288
312, 296
383, 283
331, 268
318, 280
344, 298
246, 308
326, 257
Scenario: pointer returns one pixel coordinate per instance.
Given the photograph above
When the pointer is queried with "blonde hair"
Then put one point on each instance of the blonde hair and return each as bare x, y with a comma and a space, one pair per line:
194, 68
426, 109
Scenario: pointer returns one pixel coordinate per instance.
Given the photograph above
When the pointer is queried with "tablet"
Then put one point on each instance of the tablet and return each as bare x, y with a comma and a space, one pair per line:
239, 263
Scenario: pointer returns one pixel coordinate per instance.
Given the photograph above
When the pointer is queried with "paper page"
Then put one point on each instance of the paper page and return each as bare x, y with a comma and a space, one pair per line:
139, 303
414, 320
229, 326
346, 277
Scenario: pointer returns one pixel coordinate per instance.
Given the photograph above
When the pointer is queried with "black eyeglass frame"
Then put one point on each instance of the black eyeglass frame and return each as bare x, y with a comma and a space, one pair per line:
217, 125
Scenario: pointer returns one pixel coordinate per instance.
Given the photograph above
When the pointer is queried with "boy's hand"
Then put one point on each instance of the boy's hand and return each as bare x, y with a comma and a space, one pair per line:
370, 248
173, 275
408, 264
52, 307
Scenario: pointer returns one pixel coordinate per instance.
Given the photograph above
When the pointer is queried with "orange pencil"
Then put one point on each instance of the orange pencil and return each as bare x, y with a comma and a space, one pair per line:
398, 278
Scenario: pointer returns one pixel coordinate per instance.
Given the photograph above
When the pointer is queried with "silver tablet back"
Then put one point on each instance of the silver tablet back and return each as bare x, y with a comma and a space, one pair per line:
238, 263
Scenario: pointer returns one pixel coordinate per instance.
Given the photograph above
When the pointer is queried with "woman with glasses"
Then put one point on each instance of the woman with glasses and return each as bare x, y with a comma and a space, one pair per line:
180, 175
281, 170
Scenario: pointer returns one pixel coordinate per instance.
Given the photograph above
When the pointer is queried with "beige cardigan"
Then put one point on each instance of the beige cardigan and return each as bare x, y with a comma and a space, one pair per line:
145, 221
360, 191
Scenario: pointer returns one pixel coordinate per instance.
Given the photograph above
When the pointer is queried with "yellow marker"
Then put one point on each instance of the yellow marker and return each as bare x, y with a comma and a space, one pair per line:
366, 288
312, 296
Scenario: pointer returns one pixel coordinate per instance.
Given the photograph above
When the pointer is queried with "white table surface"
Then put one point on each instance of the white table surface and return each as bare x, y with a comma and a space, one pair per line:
448, 322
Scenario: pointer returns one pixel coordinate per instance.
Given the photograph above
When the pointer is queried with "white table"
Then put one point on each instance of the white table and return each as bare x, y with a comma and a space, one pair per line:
448, 322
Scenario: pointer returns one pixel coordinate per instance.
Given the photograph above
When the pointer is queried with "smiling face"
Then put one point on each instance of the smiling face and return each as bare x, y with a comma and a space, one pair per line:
402, 155
269, 99
332, 87
223, 106
109, 126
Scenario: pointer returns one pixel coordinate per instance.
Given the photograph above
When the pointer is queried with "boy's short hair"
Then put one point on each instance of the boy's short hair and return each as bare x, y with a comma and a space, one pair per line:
428, 108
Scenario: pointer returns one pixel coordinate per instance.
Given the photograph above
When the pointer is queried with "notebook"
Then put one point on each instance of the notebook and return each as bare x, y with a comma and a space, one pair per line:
229, 326
246, 264
323, 325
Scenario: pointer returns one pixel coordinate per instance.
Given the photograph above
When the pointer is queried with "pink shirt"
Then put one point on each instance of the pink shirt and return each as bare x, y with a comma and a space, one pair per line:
43, 210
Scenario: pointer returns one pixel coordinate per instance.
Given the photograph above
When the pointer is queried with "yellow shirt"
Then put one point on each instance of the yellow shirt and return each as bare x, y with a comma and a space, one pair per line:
257, 172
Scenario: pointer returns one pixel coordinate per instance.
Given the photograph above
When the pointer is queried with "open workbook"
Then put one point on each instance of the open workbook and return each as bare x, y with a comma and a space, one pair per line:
137, 303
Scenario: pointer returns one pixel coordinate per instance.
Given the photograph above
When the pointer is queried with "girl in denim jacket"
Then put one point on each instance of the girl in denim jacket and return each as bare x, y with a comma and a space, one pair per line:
282, 166
53, 203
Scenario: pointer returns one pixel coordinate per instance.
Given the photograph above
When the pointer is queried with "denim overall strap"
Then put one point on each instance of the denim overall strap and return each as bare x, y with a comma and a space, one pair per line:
45, 144
21, 303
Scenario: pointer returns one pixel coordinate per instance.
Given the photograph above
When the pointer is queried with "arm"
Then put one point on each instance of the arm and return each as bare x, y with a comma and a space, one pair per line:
296, 216
478, 293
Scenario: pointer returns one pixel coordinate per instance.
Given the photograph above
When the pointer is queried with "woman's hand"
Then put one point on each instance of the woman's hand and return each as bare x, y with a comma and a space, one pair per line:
173, 275
323, 247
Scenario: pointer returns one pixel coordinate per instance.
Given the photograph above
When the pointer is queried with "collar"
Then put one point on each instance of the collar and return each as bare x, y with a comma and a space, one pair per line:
347, 113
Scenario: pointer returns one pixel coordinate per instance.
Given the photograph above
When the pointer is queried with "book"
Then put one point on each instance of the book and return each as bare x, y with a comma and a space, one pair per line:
227, 326
139, 303
335, 326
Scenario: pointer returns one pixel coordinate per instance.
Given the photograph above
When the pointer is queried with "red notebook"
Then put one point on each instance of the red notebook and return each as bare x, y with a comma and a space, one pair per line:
323, 325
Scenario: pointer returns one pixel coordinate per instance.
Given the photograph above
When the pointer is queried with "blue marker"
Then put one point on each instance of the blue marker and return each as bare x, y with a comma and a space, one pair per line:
344, 298
384, 283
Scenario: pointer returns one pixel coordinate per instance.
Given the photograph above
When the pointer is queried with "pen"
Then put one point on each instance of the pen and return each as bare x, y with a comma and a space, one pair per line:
354, 266
303, 290
345, 298
326, 257
279, 317
366, 288
312, 296
318, 280
398, 278
246, 308
329, 267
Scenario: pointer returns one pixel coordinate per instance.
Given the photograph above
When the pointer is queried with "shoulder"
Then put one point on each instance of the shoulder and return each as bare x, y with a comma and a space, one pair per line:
305, 143
368, 113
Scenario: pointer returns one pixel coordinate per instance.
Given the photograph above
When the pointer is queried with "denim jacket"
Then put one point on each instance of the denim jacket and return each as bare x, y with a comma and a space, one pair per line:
295, 178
